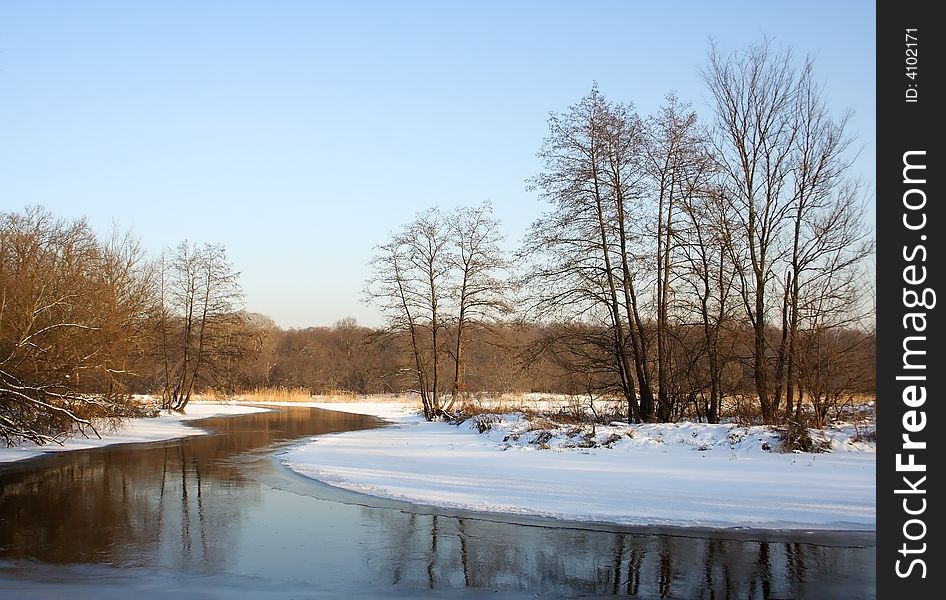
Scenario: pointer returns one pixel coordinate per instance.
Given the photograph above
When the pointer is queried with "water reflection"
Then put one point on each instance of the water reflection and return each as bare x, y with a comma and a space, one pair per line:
218, 506
118, 504
434, 551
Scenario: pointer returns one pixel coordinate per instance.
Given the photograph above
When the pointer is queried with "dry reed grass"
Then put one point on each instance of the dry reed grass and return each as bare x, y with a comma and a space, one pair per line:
276, 394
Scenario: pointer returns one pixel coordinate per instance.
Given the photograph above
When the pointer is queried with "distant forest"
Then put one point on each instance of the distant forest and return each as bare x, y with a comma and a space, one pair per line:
687, 269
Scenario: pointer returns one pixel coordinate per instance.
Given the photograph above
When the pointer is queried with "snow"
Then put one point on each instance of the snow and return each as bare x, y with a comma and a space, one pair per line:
163, 427
684, 474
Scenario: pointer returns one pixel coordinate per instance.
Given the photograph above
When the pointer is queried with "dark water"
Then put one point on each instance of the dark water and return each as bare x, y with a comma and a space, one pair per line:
216, 517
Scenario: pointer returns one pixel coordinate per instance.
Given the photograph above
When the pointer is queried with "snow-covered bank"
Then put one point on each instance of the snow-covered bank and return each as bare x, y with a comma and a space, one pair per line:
691, 475
162, 427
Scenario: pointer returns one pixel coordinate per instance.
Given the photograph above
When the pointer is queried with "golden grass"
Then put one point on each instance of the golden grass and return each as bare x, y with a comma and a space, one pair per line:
346, 396
275, 394
210, 395
300, 394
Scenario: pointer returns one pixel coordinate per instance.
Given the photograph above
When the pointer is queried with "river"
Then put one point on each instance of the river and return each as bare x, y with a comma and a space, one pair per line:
217, 516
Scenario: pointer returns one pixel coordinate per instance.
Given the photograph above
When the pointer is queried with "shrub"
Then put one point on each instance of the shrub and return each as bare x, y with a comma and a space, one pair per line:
484, 422
795, 435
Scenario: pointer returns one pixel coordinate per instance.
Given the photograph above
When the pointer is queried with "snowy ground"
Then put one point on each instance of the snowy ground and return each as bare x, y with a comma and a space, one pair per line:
688, 474
163, 427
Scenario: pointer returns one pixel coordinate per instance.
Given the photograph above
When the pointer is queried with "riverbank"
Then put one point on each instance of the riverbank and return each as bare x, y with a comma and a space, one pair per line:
166, 426
686, 475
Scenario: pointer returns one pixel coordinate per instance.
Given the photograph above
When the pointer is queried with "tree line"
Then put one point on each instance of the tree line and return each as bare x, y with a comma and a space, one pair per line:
674, 252
87, 321
685, 266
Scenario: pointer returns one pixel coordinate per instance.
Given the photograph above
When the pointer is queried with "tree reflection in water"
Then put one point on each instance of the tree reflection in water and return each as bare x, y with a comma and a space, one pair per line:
438, 551
122, 504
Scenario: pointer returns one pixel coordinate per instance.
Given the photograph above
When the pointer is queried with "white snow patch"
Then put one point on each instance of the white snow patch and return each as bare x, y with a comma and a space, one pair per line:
682, 474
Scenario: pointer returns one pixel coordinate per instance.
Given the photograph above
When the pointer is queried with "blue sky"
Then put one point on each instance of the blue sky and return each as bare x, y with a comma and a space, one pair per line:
300, 134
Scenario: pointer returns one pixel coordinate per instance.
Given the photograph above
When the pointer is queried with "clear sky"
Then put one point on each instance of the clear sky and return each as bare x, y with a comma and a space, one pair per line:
300, 134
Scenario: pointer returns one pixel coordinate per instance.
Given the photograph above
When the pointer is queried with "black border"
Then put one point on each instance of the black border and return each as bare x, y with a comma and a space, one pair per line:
904, 126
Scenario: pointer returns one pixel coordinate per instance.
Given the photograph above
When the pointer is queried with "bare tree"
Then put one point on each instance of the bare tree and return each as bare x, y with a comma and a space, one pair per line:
200, 307
477, 290
828, 238
708, 278
71, 312
834, 365
440, 272
350, 356
784, 172
678, 169
409, 283
754, 95
580, 255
